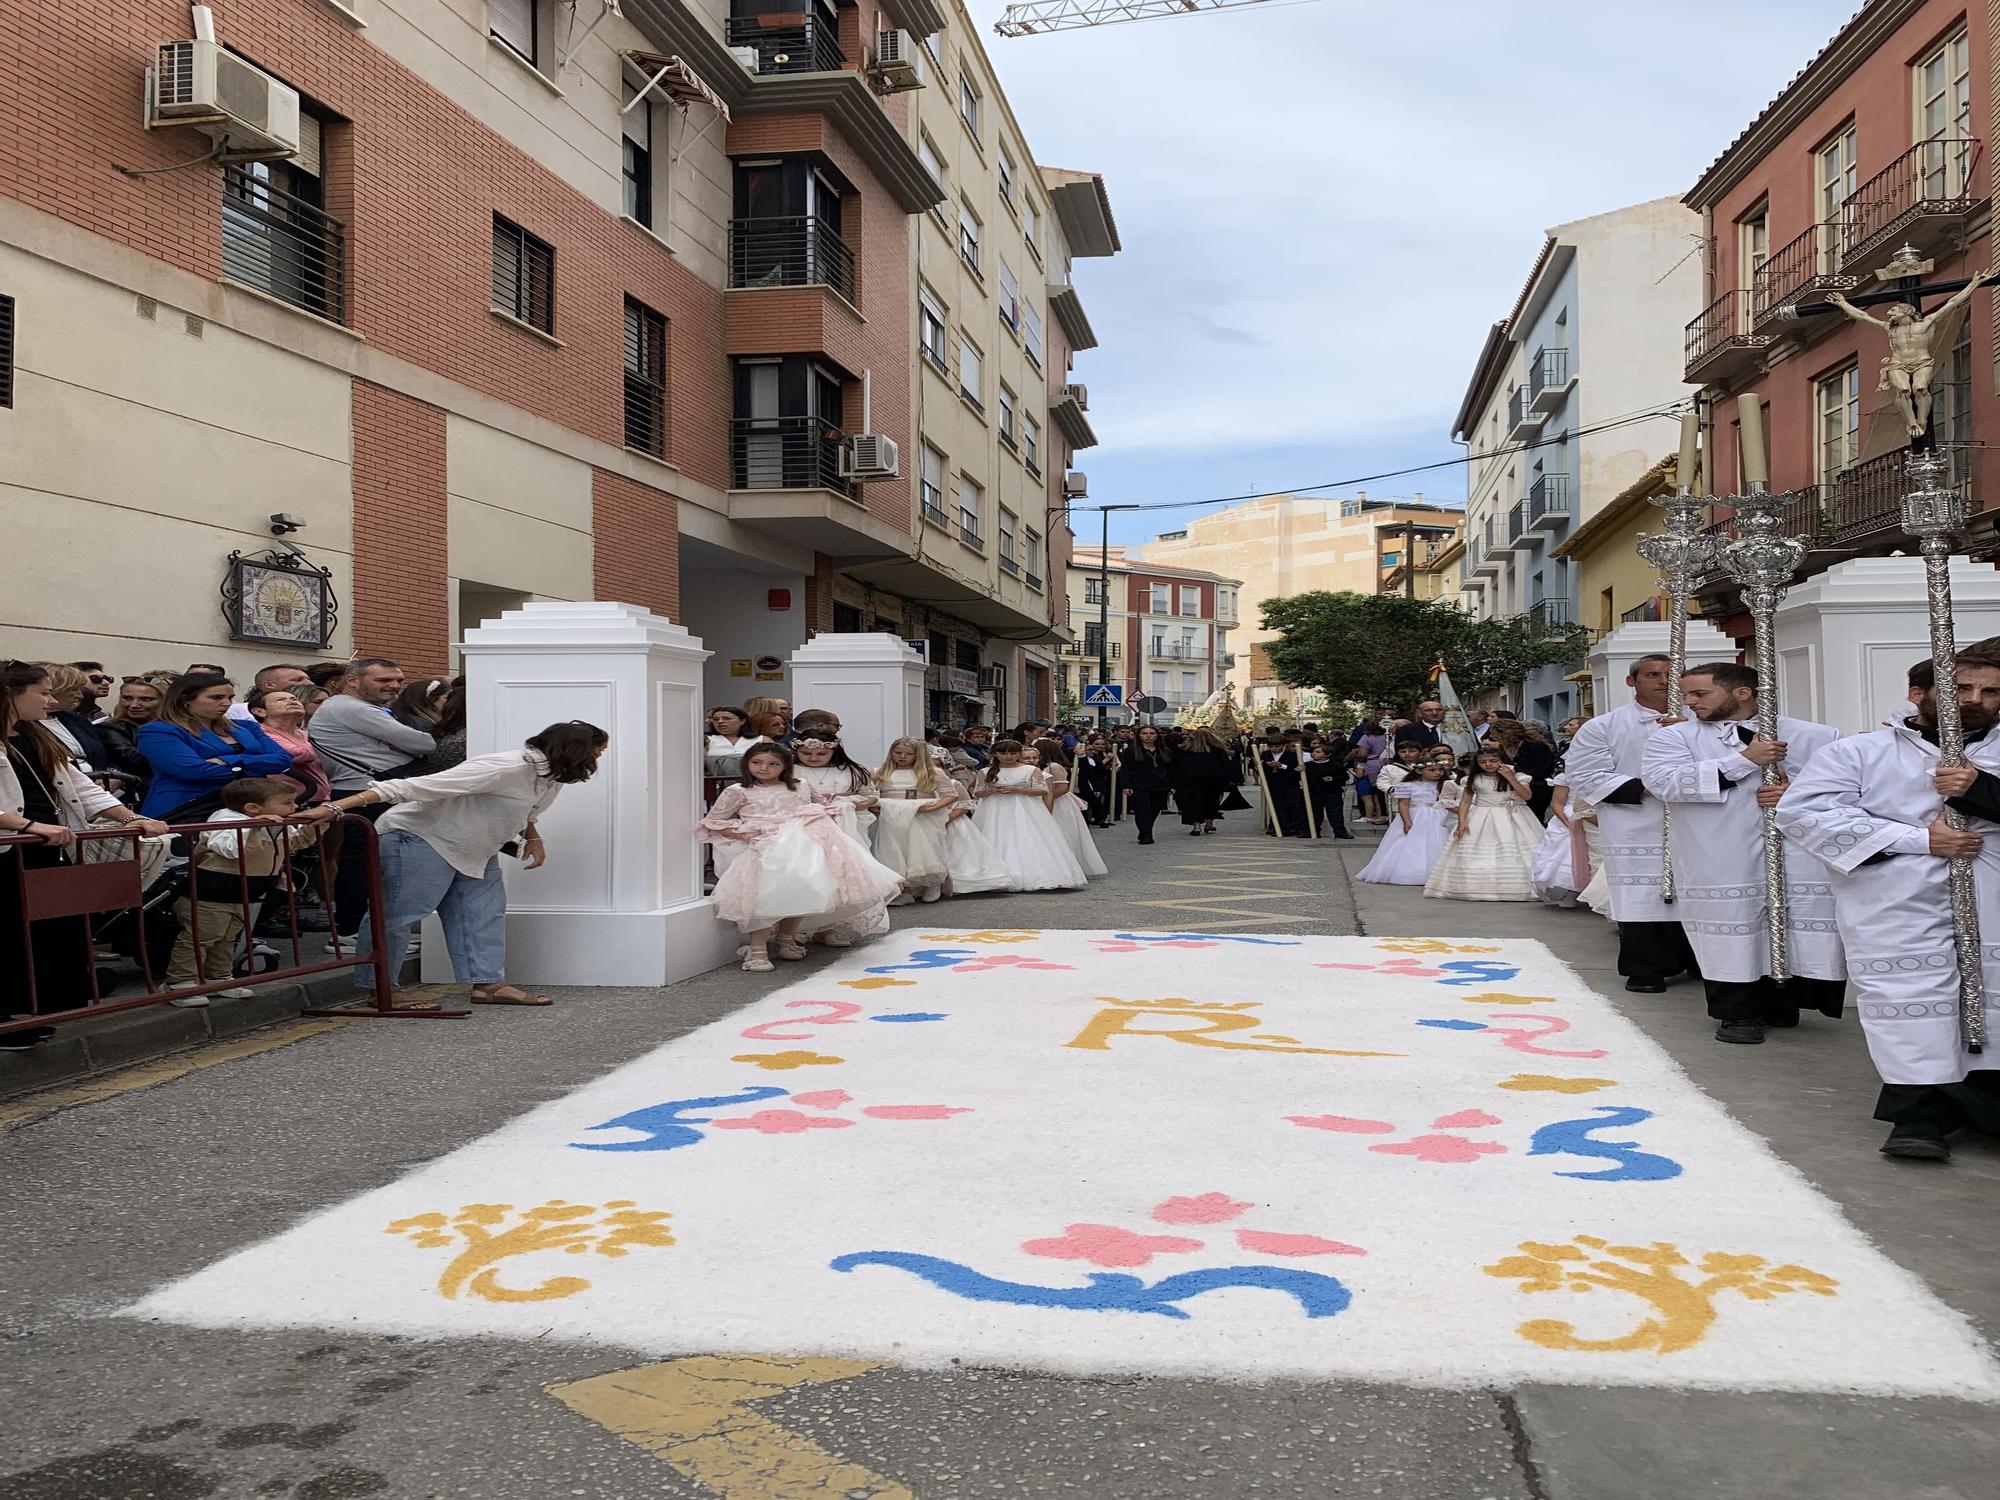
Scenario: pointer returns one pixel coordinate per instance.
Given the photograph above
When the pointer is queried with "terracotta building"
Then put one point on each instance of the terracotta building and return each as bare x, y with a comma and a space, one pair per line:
471, 302
1168, 634
1875, 146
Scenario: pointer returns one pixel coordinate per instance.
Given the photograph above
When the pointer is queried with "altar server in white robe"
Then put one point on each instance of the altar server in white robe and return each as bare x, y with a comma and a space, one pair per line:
1605, 766
1871, 807
1709, 769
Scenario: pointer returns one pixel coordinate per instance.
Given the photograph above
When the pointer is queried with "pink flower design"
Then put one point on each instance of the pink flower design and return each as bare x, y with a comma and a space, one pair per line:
1004, 961
1209, 1208
1346, 1123
824, 1099
1465, 1119
1293, 1244
1108, 1245
1445, 1148
781, 1122
912, 1111
1113, 945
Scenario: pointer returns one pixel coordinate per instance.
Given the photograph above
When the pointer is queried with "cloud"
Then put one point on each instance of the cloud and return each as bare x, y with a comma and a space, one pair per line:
1324, 207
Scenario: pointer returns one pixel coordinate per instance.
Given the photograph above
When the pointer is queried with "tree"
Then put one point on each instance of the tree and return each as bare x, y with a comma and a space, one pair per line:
1380, 648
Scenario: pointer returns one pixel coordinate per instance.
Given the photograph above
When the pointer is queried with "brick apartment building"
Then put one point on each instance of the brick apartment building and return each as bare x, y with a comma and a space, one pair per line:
554, 299
1168, 629
1874, 145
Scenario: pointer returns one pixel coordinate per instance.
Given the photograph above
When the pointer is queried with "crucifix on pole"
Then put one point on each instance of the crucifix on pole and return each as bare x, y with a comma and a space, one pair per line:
1918, 341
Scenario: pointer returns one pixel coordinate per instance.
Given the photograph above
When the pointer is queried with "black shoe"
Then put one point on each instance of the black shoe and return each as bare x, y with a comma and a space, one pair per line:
1781, 1018
26, 1041
1347, 836
1906, 1144
1646, 986
1750, 1033
1145, 841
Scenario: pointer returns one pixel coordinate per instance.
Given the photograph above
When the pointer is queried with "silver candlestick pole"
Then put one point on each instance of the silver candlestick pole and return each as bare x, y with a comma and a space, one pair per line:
1682, 556
1764, 561
1934, 513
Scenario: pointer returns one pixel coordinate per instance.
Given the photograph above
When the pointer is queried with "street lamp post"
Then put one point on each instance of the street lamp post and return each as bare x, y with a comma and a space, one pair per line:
1104, 601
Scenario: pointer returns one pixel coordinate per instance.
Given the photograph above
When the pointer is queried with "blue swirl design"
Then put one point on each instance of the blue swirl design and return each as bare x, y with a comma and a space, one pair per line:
1629, 1163
1112, 1291
664, 1126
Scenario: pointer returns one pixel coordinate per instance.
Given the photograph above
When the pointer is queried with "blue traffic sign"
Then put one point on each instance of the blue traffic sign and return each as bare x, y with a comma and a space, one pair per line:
1103, 694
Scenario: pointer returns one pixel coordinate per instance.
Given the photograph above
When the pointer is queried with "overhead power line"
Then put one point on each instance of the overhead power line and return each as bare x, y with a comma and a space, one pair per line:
1037, 16
1672, 409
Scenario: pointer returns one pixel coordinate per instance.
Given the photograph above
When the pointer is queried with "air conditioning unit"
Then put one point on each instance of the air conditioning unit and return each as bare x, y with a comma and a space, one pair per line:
896, 60
251, 115
868, 455
1076, 485
747, 56
1080, 394
992, 677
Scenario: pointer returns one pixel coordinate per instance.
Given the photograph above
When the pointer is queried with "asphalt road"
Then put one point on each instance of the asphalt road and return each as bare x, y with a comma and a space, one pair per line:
103, 1200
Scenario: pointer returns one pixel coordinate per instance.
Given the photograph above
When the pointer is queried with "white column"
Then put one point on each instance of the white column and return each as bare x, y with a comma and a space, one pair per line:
1612, 657
873, 683
620, 900
1848, 637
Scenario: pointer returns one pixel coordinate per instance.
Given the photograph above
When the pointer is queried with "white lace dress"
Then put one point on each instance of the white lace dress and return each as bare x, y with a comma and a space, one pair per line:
1068, 813
795, 863
909, 840
1495, 860
970, 861
1405, 858
1024, 835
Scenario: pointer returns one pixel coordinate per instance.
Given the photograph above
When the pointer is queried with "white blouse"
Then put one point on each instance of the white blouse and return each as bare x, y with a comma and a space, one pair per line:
469, 810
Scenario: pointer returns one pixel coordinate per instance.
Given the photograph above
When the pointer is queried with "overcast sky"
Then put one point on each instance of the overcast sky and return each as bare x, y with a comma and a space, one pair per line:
1324, 206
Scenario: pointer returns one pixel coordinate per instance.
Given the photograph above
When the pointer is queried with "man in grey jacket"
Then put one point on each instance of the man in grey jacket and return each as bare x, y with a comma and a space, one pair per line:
359, 742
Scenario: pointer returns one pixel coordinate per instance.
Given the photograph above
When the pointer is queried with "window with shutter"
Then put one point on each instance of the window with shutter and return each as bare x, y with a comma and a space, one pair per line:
513, 22
645, 379
524, 275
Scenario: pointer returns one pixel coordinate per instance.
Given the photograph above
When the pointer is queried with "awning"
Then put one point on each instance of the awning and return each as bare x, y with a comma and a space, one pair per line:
674, 78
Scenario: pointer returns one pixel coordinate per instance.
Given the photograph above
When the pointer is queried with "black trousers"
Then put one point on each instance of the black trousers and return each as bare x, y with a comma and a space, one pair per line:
1146, 809
1653, 950
1940, 1108
1767, 1000
350, 876
1327, 809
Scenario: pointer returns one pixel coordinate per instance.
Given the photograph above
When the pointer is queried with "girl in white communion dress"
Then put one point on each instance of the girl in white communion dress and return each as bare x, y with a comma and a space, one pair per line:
916, 803
1013, 813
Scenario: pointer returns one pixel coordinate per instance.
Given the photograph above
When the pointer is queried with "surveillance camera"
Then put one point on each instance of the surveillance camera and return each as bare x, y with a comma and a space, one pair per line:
284, 522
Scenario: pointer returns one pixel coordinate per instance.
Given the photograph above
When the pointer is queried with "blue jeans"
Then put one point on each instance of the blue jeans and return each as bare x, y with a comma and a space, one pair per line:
416, 881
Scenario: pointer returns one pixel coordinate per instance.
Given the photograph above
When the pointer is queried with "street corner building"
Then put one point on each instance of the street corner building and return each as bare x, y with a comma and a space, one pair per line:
379, 318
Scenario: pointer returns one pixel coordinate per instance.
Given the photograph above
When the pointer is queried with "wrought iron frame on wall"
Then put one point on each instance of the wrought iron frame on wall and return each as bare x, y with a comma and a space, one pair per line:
240, 583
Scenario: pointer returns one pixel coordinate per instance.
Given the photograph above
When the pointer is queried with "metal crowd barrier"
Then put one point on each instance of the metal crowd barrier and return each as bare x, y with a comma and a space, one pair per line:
101, 890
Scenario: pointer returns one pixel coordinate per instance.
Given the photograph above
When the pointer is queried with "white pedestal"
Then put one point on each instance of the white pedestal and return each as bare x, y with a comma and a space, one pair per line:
620, 901
1848, 637
874, 683
1611, 658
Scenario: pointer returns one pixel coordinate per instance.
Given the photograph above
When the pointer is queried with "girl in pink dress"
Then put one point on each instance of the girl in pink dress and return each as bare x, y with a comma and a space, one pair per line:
794, 865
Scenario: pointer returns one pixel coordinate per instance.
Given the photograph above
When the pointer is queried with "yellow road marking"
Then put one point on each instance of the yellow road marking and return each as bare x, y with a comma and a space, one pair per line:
693, 1415
40, 1106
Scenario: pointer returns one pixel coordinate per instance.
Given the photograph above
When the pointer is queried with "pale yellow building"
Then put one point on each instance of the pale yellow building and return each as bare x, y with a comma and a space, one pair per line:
1614, 585
1294, 544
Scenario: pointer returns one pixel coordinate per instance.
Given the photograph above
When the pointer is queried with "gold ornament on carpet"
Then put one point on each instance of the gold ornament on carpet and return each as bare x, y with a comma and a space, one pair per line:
1684, 1308
573, 1228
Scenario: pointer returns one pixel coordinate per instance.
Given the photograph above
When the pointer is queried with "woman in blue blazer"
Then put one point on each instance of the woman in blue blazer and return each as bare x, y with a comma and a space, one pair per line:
195, 748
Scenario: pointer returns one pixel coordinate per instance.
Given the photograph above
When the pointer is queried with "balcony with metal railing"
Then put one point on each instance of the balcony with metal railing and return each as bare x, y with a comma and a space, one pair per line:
1803, 269
1522, 419
1650, 610
1552, 615
789, 42
283, 245
785, 453
1088, 647
1549, 380
1720, 341
1866, 506
1548, 503
804, 250
1175, 651
1921, 198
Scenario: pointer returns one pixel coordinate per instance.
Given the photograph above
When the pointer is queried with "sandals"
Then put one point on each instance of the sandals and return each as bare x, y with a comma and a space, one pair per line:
833, 937
756, 960
789, 948
506, 994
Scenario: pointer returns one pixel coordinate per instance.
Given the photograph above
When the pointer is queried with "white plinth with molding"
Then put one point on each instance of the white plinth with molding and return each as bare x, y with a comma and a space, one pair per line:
1612, 657
620, 900
1847, 637
874, 683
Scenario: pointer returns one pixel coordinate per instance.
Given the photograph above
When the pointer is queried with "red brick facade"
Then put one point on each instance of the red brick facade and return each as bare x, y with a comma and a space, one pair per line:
401, 608
636, 543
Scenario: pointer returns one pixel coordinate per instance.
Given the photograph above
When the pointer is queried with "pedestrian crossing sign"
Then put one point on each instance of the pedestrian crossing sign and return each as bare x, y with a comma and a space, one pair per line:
1103, 694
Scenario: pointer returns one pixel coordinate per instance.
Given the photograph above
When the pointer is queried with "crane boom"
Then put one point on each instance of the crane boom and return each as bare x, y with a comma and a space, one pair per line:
1037, 16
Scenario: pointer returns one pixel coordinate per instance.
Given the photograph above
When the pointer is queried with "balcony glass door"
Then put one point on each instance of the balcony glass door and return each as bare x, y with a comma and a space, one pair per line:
1944, 116
1836, 180
788, 423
